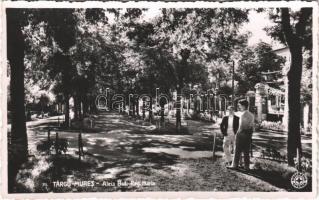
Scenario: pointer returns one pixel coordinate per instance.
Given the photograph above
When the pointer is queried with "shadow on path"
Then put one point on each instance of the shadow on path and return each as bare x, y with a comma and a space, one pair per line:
126, 150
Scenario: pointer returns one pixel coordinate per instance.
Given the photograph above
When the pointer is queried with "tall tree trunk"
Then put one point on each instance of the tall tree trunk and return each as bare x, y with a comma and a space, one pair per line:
178, 109
195, 105
80, 107
294, 107
66, 82
133, 106
143, 111
294, 39
150, 117
85, 105
162, 112
130, 107
67, 110
137, 108
19, 141
76, 110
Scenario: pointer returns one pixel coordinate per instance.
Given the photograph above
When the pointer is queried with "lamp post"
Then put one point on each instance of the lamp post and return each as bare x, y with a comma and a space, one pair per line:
233, 83
202, 103
156, 96
130, 111
214, 92
208, 101
108, 103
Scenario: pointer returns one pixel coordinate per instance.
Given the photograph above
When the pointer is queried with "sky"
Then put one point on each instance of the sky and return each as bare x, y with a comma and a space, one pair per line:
257, 22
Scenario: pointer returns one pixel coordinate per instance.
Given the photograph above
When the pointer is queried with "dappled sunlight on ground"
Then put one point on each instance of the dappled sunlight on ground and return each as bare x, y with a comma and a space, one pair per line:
180, 152
109, 173
26, 176
128, 149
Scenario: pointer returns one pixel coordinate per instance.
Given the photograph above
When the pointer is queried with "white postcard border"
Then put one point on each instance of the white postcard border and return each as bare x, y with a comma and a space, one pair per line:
144, 4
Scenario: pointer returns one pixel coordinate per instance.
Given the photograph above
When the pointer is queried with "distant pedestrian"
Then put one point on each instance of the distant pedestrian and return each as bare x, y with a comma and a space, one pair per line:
229, 127
243, 136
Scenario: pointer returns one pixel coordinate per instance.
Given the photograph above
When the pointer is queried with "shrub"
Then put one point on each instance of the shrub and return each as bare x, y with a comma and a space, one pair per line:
306, 165
272, 153
279, 173
61, 145
271, 125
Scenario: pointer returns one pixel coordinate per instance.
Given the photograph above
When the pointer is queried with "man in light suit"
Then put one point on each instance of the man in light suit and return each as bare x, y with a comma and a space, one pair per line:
229, 127
244, 135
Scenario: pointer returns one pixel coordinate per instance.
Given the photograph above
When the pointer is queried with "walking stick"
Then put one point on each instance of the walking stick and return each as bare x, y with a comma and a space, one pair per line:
214, 144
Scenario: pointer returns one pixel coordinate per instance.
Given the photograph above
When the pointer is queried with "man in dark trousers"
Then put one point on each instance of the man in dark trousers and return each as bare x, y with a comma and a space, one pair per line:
229, 127
244, 135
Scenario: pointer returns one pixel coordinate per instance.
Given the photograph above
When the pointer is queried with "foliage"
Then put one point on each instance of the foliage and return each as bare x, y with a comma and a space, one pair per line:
253, 62
190, 35
277, 173
59, 146
306, 80
177, 44
277, 31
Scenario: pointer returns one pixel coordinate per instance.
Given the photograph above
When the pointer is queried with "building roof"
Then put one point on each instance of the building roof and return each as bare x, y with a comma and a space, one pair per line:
281, 49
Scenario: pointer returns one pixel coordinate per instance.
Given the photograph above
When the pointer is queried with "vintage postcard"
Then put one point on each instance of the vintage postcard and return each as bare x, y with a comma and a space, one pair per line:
159, 99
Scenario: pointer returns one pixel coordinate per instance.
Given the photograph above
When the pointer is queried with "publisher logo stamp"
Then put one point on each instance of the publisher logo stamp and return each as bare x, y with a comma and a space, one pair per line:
299, 180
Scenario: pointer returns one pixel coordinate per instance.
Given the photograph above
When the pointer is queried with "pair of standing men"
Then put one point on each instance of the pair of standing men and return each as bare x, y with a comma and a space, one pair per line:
237, 135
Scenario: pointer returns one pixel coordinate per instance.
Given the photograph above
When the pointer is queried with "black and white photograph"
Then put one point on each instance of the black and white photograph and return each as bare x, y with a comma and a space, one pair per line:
159, 97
